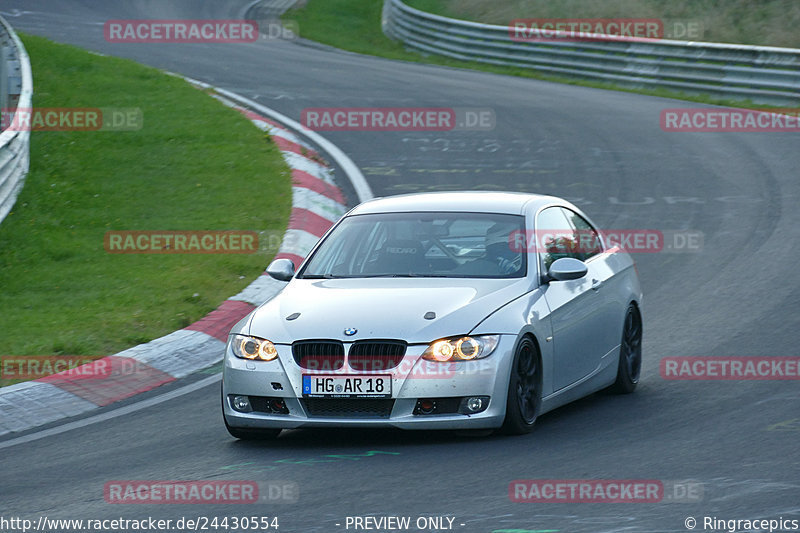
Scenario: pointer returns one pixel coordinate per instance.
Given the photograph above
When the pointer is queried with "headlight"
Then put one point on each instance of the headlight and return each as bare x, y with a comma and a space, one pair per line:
246, 347
461, 348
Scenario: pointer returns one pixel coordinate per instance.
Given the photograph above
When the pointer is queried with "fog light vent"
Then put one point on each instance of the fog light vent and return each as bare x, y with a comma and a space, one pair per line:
425, 407
241, 404
473, 404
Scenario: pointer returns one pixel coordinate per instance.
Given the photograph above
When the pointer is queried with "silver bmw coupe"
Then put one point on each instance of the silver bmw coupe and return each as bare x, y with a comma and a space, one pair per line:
457, 310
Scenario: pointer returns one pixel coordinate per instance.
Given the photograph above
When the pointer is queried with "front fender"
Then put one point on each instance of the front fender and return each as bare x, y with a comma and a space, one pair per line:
529, 314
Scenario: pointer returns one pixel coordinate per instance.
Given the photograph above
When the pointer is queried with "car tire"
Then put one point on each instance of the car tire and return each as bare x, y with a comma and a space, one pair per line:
629, 367
247, 433
524, 390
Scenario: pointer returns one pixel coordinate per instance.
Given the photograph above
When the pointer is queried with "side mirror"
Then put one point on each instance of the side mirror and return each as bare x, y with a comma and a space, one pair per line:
281, 269
566, 268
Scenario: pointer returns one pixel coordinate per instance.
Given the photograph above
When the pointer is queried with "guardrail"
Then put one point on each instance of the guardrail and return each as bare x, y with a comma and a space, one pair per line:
762, 74
16, 92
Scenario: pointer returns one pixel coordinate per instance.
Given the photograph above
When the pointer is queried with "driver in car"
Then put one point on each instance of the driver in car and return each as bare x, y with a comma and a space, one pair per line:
499, 258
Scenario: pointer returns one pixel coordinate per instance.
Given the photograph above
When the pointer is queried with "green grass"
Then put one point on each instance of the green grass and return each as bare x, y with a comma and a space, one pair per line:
756, 22
353, 25
195, 165
357, 25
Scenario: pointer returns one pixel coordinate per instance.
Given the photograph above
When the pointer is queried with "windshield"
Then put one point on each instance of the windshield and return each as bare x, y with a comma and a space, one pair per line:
448, 245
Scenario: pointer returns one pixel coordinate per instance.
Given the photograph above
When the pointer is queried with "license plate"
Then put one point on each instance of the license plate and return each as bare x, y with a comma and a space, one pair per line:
347, 386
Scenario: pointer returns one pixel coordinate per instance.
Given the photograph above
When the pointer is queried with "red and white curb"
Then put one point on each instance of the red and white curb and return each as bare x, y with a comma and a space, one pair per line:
316, 204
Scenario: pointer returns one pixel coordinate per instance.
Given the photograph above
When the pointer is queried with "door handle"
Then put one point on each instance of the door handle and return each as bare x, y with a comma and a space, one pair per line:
596, 284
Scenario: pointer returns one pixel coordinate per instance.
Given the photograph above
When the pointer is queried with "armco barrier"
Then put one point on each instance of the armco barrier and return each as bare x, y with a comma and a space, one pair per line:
762, 74
17, 91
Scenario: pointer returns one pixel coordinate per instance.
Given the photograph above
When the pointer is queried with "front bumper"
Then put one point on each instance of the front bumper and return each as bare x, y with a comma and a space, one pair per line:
414, 379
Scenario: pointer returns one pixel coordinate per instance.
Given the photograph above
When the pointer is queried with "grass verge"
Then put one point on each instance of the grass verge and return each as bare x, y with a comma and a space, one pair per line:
355, 25
195, 165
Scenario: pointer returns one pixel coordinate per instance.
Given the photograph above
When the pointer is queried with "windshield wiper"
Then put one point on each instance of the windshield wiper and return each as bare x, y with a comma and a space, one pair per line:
364, 276
409, 275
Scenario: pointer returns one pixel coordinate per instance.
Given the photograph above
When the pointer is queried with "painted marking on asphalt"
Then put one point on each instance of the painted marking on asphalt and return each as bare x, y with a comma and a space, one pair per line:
285, 134
180, 353
786, 425
255, 117
216, 369
286, 145
259, 291
124, 378
298, 243
318, 203
220, 321
312, 166
313, 183
308, 220
109, 415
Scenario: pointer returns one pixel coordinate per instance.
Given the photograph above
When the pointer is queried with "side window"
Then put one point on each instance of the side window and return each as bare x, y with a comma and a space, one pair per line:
554, 236
587, 236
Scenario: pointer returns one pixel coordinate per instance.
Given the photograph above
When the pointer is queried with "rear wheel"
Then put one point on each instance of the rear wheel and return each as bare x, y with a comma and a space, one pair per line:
524, 390
630, 353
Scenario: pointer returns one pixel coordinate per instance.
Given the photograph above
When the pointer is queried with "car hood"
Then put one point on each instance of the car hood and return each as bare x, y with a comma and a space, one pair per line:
382, 308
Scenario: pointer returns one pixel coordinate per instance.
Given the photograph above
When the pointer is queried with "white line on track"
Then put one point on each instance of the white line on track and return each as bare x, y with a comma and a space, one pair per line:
102, 417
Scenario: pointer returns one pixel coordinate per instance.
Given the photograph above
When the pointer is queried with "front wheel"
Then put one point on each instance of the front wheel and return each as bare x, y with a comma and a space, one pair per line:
524, 390
630, 353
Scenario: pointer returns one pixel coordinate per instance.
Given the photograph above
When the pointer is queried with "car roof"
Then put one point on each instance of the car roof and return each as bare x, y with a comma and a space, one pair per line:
464, 201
